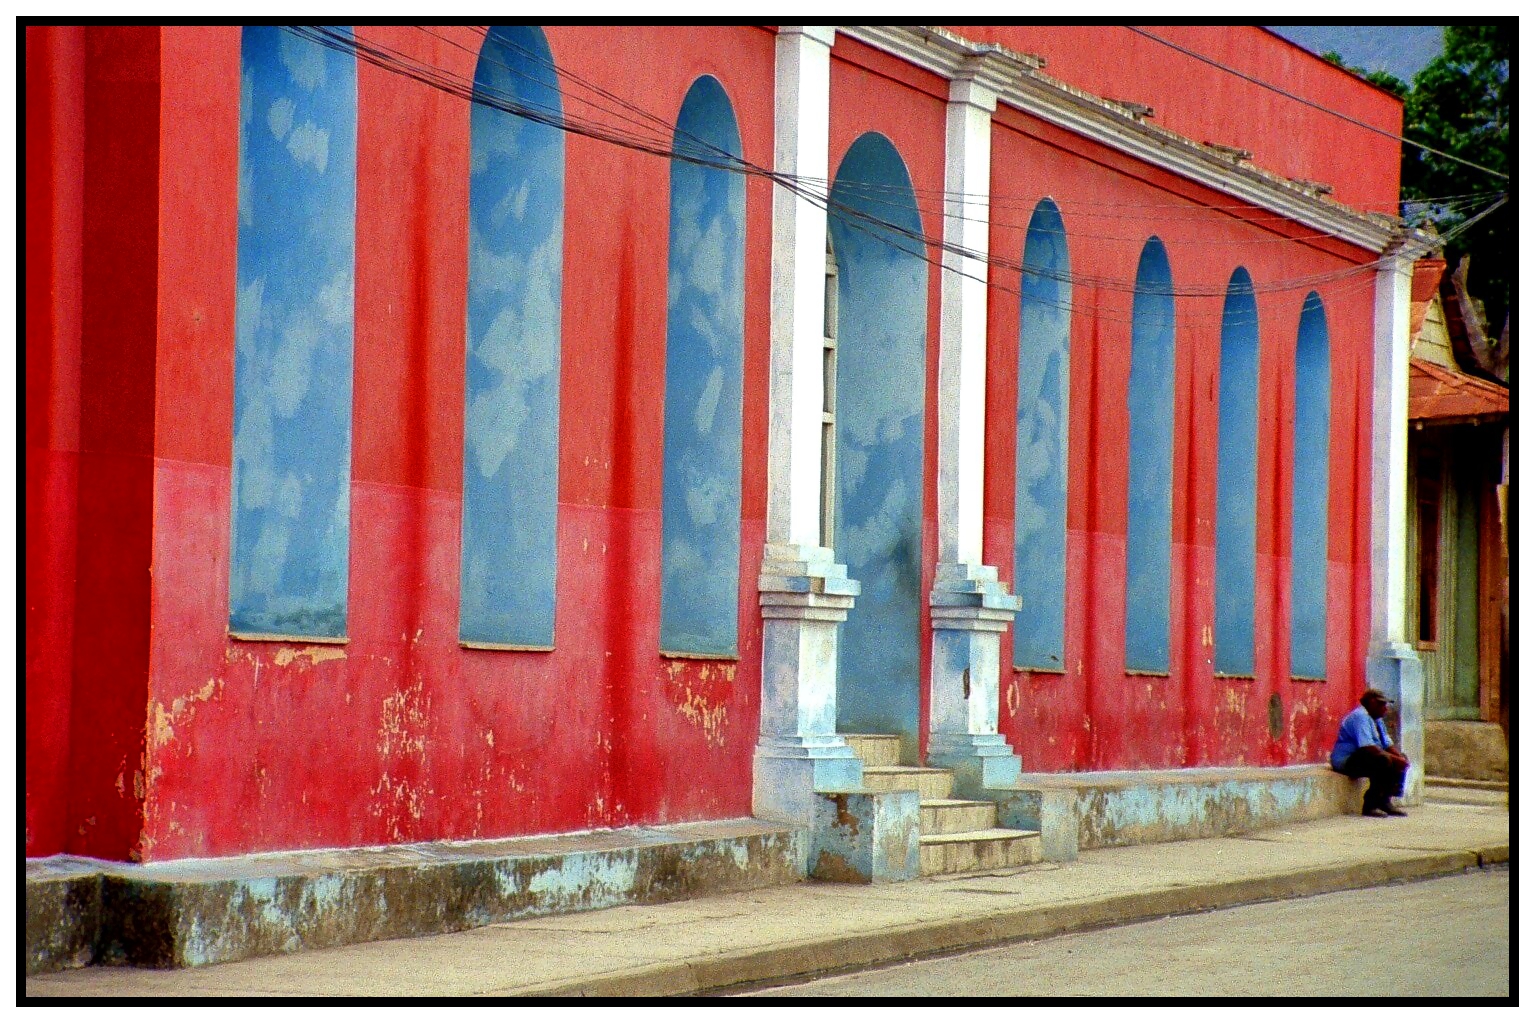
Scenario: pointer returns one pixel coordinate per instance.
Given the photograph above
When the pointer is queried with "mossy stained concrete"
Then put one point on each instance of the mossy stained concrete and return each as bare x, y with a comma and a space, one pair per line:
193, 913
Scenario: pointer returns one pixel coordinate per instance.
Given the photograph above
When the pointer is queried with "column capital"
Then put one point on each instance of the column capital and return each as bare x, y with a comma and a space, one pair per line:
982, 76
823, 34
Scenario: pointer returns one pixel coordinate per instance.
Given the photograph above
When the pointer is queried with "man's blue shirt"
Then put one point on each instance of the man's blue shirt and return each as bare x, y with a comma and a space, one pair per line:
1358, 730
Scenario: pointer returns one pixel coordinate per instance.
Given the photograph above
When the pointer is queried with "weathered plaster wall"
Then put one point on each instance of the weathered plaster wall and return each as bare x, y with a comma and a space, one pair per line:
1095, 715
1285, 136
184, 742
873, 92
55, 154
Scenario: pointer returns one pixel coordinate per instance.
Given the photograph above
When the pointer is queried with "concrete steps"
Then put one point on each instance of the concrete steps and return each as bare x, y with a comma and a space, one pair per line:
983, 850
1479, 792
954, 835
948, 816
930, 783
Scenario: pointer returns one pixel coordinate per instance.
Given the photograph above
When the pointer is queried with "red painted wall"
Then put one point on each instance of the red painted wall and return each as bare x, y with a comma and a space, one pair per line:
1285, 136
401, 734
1095, 715
55, 154
177, 741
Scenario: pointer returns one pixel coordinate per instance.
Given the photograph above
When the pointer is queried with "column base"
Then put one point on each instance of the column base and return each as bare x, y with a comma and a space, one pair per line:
788, 774
1394, 668
970, 609
980, 762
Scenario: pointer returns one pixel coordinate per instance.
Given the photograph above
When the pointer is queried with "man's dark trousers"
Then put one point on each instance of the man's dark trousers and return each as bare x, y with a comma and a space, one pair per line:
1386, 778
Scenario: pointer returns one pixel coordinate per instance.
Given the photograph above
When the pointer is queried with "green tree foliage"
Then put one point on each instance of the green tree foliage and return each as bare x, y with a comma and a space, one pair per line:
1460, 104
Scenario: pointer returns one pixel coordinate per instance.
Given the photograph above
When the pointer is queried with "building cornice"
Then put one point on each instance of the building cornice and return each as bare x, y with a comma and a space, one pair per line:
1029, 89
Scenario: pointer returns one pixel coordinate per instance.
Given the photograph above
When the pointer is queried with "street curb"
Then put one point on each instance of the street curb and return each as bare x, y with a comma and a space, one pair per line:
856, 950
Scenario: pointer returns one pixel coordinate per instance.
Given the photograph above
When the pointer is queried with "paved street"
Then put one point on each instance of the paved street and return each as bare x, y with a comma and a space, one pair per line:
1443, 937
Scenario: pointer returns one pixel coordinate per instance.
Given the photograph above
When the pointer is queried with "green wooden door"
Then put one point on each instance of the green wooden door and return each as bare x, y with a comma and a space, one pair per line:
1443, 560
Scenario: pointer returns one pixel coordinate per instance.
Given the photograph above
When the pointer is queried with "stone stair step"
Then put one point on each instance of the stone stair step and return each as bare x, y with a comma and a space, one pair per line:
930, 783
877, 750
982, 850
1489, 784
944, 817
1466, 795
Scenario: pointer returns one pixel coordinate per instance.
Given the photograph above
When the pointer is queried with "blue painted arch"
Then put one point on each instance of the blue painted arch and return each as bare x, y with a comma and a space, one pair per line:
1149, 484
512, 349
292, 447
1237, 477
701, 461
1309, 494
882, 286
1040, 461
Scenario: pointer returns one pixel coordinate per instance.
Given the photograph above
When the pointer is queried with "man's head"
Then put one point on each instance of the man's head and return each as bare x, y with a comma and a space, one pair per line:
1375, 703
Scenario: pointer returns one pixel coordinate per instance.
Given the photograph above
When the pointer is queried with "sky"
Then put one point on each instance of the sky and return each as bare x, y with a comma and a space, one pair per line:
1400, 49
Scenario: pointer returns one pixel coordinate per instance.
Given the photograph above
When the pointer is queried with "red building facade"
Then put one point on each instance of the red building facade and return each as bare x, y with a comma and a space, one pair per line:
153, 733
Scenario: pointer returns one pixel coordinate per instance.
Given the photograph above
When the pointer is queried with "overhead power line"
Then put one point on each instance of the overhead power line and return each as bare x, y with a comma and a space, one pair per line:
661, 140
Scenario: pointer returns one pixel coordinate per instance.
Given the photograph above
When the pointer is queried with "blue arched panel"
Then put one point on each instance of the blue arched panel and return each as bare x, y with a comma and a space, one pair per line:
1149, 487
292, 465
1309, 495
1040, 463
1237, 477
881, 354
701, 465
512, 372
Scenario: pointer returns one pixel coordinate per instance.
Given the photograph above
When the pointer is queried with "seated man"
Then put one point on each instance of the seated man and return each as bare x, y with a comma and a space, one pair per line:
1363, 750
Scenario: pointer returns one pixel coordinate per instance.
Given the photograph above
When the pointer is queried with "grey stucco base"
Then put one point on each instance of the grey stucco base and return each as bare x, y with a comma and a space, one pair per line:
189, 913
864, 836
63, 913
1087, 810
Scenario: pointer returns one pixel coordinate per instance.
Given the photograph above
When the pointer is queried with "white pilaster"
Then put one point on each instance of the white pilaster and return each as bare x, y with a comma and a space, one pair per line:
1389, 452
970, 606
963, 316
802, 76
803, 593
1392, 665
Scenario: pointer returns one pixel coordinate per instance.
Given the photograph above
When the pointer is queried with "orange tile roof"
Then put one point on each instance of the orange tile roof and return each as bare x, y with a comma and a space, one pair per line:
1436, 393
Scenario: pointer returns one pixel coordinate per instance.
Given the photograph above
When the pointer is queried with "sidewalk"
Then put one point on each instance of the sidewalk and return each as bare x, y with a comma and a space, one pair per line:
770, 934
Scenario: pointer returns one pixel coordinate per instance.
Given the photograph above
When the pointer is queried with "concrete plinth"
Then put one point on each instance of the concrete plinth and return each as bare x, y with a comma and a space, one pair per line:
804, 595
196, 912
970, 608
1041, 808
1394, 669
865, 836
1131, 808
63, 912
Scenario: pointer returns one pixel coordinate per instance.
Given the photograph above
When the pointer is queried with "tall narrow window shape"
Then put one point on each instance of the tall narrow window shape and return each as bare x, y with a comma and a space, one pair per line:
1309, 495
1149, 491
1040, 487
879, 370
701, 465
292, 464
512, 343
1236, 477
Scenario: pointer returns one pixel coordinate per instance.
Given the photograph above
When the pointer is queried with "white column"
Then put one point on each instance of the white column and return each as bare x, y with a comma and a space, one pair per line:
803, 593
802, 73
970, 607
963, 317
1392, 665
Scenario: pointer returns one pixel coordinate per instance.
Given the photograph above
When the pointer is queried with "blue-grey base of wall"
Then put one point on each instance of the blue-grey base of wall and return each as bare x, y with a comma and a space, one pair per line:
193, 912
